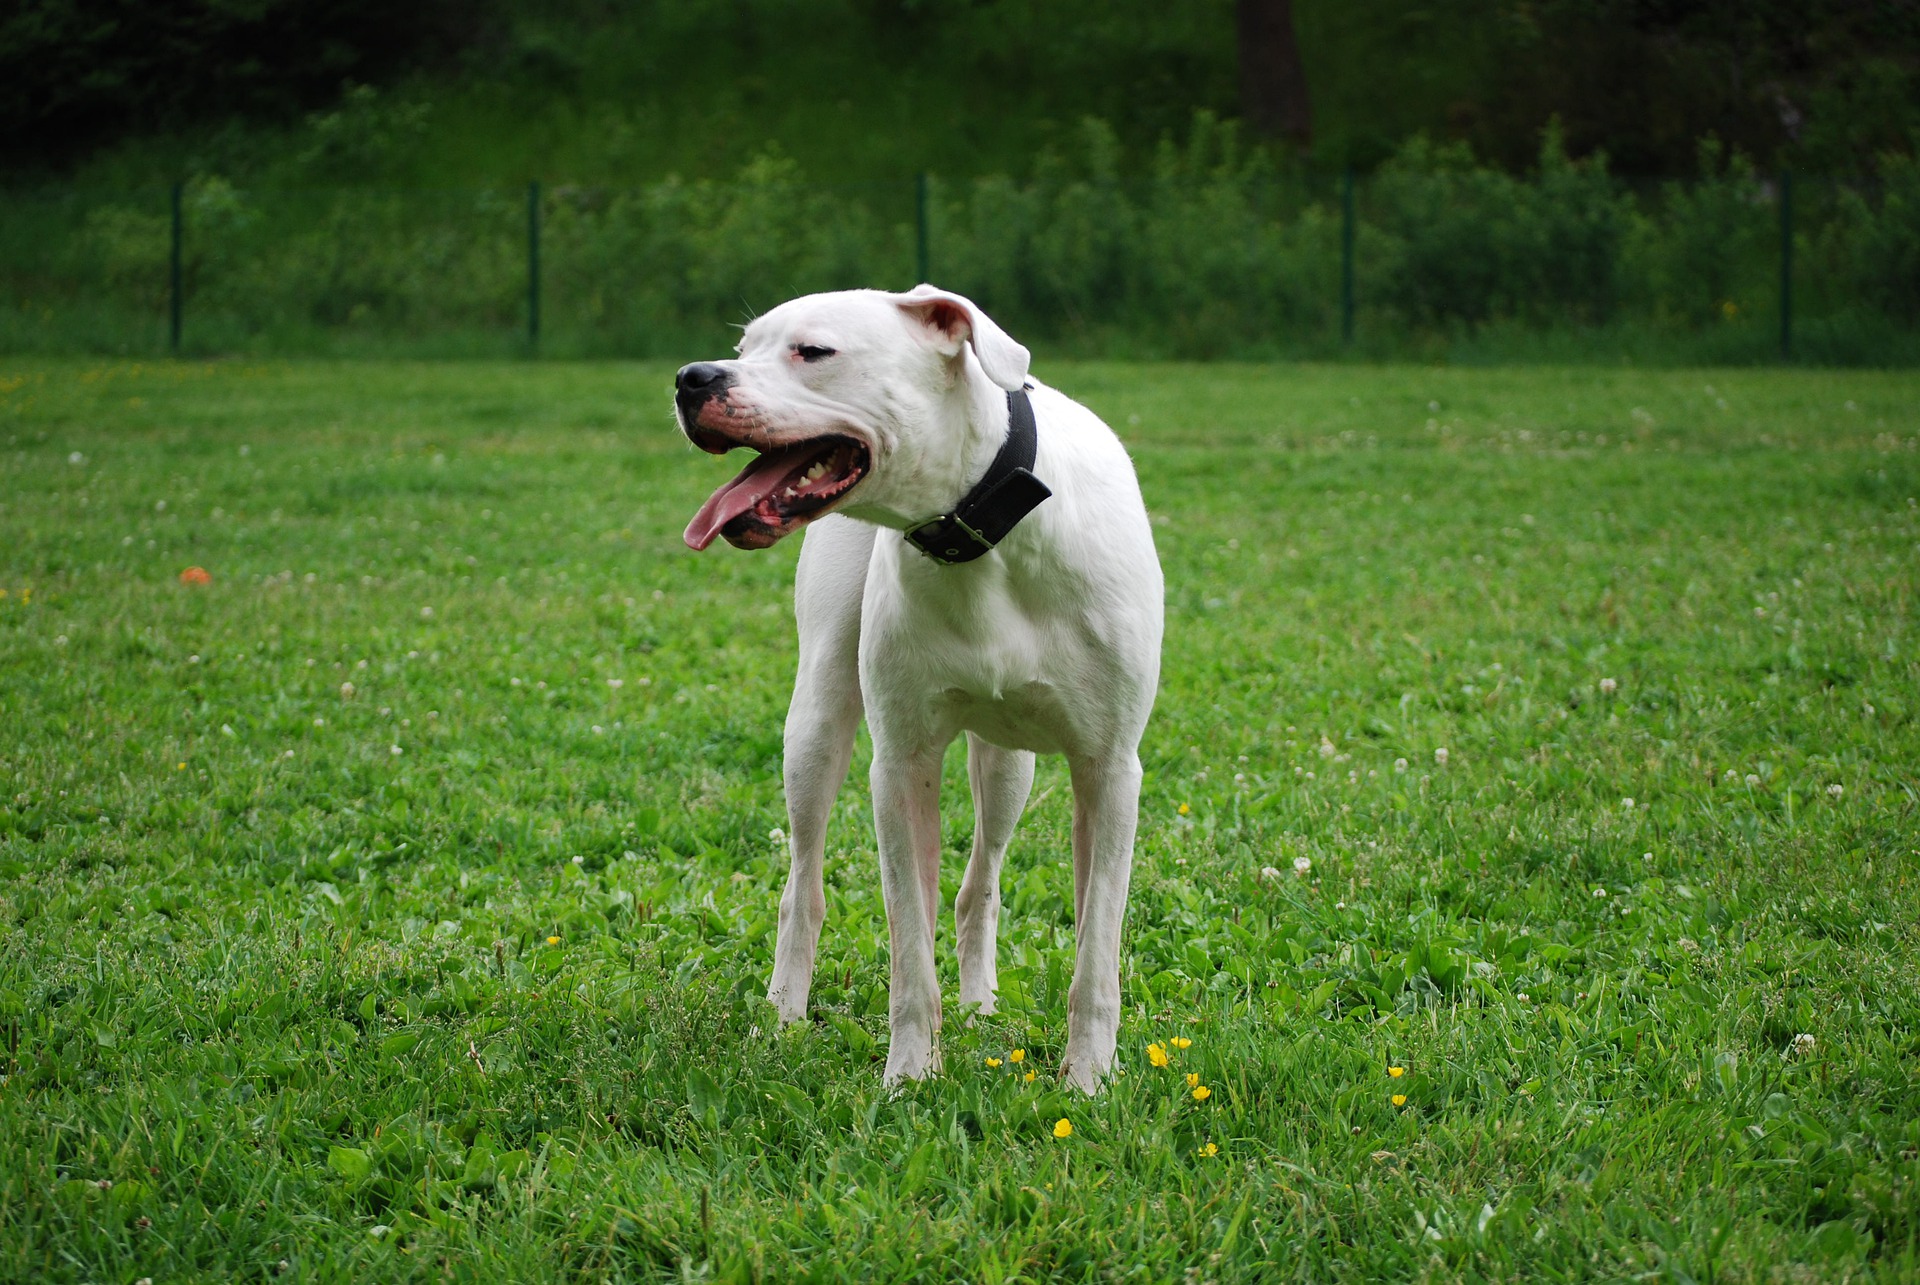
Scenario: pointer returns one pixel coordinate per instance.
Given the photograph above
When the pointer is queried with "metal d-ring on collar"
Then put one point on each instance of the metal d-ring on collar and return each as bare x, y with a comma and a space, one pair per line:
997, 502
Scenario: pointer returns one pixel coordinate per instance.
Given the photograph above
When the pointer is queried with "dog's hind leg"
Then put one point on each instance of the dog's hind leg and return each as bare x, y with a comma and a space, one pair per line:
821, 723
1106, 811
1001, 780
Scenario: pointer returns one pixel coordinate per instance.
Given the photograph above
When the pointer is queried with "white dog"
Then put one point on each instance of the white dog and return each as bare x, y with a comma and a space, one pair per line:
947, 592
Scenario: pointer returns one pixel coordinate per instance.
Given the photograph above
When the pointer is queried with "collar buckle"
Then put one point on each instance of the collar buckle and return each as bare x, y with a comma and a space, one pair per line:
948, 539
986, 514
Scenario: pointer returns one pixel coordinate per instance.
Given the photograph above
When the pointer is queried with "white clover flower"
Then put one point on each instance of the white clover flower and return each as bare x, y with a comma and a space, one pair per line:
1301, 865
598, 730
346, 691
1608, 687
1803, 1044
1599, 892
1399, 765
579, 860
394, 749
319, 722
1269, 872
616, 682
1627, 803
1524, 998
777, 835
1836, 789
426, 613
1440, 756
1752, 780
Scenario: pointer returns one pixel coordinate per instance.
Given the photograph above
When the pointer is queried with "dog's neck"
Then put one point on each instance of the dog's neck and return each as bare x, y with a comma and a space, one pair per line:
962, 431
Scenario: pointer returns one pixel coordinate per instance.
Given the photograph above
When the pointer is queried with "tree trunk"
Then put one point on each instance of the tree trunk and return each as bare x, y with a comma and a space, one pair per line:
1273, 84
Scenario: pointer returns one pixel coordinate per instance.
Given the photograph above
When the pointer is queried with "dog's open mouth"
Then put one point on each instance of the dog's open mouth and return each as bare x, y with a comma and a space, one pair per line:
781, 491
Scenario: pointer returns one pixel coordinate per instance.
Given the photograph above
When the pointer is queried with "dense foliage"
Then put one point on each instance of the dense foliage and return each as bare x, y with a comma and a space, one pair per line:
1217, 251
75, 73
588, 92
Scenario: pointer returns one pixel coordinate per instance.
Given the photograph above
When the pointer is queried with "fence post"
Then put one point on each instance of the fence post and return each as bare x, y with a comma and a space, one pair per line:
923, 271
1346, 256
533, 265
173, 278
1786, 265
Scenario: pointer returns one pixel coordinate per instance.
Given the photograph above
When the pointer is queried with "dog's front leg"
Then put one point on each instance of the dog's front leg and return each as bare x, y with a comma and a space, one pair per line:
1106, 810
822, 721
1001, 781
819, 745
906, 813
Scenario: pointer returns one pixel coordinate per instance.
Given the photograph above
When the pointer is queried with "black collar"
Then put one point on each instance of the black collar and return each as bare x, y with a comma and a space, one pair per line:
997, 502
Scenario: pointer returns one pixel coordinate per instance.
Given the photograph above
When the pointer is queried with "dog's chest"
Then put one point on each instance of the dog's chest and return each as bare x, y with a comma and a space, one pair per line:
1014, 681
1031, 716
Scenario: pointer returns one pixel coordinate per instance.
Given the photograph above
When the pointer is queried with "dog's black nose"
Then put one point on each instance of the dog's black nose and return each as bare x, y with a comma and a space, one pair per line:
701, 379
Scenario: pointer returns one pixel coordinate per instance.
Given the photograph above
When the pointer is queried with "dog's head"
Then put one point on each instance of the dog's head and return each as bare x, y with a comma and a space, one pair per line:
859, 400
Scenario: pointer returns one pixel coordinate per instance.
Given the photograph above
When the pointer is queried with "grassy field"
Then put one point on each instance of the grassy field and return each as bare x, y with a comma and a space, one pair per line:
1528, 850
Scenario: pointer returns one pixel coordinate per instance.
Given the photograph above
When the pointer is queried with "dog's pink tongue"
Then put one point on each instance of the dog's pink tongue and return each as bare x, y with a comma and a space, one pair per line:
755, 483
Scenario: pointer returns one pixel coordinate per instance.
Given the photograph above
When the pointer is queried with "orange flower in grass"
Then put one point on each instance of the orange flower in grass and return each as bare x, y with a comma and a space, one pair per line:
195, 575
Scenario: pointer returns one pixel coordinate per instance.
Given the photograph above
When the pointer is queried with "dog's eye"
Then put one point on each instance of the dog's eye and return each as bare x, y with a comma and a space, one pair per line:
812, 352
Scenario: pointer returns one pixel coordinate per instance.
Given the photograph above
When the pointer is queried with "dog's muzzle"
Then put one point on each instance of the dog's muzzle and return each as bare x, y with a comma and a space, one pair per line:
693, 388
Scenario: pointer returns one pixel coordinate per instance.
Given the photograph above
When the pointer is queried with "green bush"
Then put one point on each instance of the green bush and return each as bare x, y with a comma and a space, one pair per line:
1701, 254
1875, 247
1464, 243
1216, 250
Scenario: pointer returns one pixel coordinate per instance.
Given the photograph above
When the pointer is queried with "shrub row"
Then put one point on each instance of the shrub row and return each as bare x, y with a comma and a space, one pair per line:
1214, 251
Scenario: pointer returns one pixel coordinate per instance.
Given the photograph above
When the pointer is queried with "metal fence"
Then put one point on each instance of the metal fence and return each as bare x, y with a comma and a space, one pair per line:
1738, 266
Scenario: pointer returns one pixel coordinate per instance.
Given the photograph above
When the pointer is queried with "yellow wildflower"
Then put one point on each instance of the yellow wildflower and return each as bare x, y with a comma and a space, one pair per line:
1063, 1128
1210, 1150
1193, 1079
1157, 1054
1184, 809
553, 941
1399, 1099
1181, 1042
993, 1061
1396, 1071
1028, 1077
1202, 1093
1018, 1055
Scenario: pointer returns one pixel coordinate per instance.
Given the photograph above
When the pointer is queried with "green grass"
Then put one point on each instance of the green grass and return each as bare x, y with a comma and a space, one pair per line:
292, 994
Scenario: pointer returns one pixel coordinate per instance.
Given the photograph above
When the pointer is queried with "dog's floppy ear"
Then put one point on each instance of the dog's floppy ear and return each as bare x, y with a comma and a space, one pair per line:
954, 320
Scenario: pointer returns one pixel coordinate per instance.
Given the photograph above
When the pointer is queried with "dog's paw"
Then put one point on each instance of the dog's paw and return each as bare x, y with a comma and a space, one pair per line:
786, 1008
1084, 1075
911, 1060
